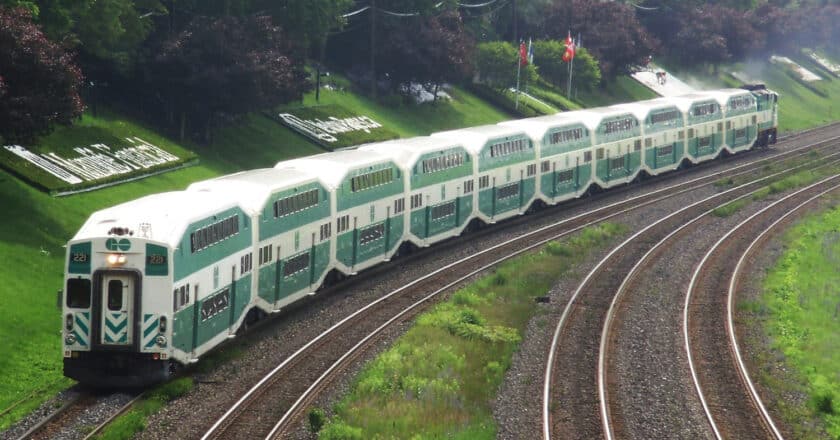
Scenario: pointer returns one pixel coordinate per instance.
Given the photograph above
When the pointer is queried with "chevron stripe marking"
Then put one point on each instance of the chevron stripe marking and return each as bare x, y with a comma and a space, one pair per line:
149, 330
116, 327
82, 325
80, 339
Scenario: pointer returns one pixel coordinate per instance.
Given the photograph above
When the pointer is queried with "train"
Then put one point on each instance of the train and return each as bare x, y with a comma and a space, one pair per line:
152, 285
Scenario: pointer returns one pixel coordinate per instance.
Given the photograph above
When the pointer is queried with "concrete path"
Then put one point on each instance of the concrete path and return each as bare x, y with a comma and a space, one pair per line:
669, 85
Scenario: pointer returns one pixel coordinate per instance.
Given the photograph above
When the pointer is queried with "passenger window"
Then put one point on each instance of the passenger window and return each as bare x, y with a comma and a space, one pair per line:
115, 295
78, 293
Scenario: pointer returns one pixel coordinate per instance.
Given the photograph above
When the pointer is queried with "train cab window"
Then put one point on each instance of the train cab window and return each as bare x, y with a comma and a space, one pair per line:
78, 293
115, 295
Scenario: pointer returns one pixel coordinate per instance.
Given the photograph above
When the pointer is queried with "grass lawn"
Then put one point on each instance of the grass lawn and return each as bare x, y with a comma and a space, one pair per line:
108, 129
440, 378
800, 107
618, 90
37, 226
799, 310
408, 120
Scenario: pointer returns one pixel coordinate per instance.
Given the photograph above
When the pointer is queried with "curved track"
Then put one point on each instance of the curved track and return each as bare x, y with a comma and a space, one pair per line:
582, 404
732, 405
288, 388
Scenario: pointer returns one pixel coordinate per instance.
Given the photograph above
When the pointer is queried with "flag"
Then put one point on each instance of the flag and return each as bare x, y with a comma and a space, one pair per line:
530, 52
523, 54
569, 54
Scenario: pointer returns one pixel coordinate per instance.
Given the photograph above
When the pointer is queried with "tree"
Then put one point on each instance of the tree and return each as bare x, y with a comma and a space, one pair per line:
548, 57
433, 49
610, 31
309, 21
112, 30
225, 67
39, 83
496, 64
107, 31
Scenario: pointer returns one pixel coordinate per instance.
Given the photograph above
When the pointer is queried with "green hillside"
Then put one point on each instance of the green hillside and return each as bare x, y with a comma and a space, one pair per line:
801, 104
37, 226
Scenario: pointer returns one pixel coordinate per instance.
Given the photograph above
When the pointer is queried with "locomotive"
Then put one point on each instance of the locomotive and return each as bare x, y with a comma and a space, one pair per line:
156, 283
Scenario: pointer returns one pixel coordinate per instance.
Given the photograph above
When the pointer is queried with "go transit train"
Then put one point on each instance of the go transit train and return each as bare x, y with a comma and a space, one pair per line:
157, 282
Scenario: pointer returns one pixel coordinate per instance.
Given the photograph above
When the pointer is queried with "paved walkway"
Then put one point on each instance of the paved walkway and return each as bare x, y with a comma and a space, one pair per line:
671, 85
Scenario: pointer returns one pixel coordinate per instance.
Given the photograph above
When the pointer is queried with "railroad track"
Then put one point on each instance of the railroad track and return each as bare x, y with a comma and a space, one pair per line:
284, 393
582, 335
61, 421
730, 400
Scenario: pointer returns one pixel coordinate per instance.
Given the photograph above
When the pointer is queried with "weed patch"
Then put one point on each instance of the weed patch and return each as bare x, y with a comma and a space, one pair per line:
802, 305
440, 377
134, 420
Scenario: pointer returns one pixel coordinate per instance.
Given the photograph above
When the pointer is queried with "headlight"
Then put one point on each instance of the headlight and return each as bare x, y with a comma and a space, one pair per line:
162, 325
68, 322
70, 339
115, 259
161, 340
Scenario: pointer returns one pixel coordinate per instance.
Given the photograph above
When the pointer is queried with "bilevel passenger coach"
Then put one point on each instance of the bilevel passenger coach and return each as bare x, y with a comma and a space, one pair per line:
158, 282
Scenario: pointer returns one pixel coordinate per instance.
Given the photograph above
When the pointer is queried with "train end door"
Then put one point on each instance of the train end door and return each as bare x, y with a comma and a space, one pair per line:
116, 306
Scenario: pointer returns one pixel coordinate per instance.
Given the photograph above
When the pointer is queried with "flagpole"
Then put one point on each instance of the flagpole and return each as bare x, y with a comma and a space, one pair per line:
569, 88
518, 69
571, 65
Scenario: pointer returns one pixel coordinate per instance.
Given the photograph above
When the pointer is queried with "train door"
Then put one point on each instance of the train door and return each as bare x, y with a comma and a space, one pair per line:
116, 309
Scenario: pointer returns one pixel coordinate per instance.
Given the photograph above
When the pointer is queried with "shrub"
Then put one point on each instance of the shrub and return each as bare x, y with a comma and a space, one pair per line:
317, 418
558, 249
340, 431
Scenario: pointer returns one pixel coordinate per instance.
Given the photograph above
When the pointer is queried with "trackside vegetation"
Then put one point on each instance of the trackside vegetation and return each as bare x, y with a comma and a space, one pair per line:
800, 310
134, 420
797, 180
33, 235
437, 381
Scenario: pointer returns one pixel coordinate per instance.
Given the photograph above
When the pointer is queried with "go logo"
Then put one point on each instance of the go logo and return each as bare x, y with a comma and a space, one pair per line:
112, 244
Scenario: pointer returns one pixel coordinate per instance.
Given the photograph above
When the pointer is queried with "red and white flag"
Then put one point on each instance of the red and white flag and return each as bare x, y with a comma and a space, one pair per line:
569, 54
523, 54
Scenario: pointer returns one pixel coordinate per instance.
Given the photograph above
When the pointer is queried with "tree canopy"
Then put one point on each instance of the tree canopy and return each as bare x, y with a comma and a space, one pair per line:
609, 31
496, 64
432, 49
585, 71
197, 60
39, 82
223, 67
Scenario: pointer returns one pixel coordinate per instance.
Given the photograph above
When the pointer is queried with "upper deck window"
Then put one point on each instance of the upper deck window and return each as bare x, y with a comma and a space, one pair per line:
214, 233
508, 147
618, 126
443, 162
665, 117
570, 135
295, 203
704, 109
372, 179
741, 102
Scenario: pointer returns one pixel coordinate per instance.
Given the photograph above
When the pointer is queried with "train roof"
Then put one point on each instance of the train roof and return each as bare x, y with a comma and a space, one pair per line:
474, 139
642, 109
406, 152
254, 187
537, 127
333, 167
158, 217
722, 96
